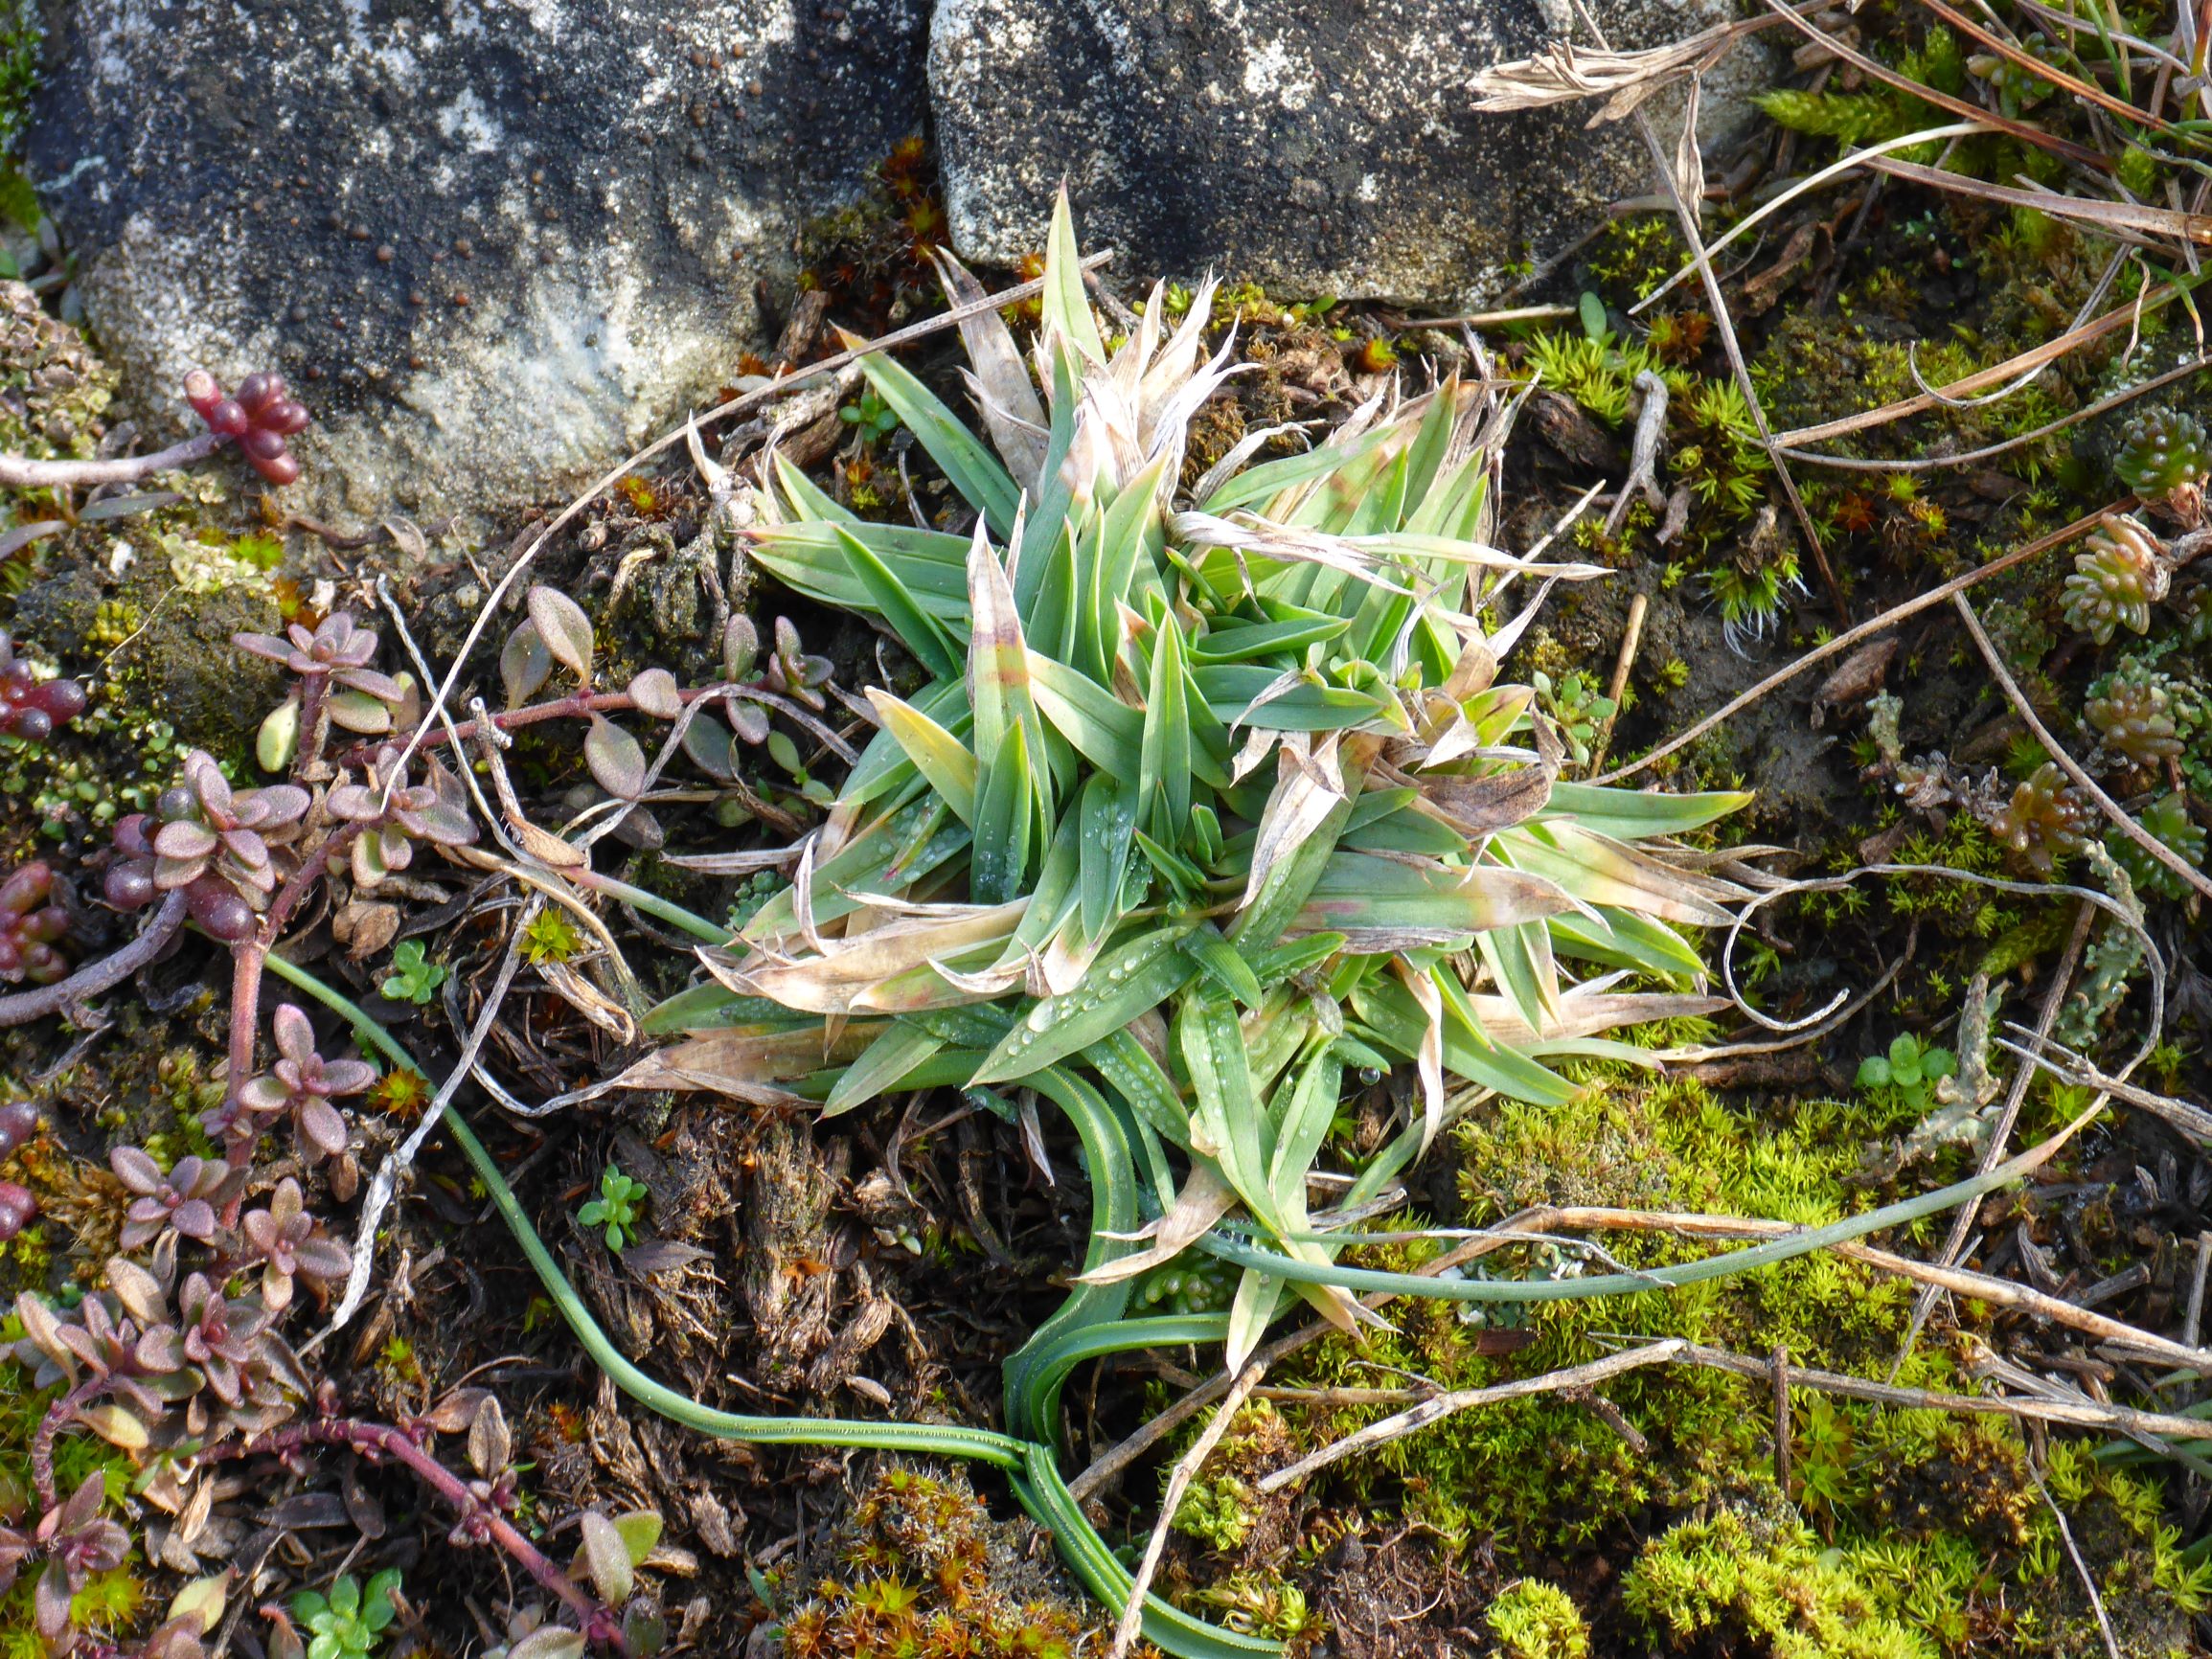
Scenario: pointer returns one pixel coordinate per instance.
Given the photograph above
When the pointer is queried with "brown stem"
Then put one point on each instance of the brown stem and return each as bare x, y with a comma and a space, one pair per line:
376, 1440
21, 472
569, 708
95, 977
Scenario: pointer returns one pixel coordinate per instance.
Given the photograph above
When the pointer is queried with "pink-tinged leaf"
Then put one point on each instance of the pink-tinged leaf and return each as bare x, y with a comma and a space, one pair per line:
617, 763
264, 645
183, 840
323, 1128
524, 664
50, 1605
138, 1290
564, 629
654, 692
295, 1035
347, 1076
264, 1095
281, 803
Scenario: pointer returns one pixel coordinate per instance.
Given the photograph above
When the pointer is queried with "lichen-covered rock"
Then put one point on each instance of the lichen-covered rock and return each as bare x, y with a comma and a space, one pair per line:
1315, 149
490, 244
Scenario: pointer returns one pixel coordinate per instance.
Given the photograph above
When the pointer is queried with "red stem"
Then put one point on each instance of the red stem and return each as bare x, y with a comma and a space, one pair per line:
246, 959
574, 707
43, 1441
21, 472
570, 708
313, 691
376, 1439
94, 977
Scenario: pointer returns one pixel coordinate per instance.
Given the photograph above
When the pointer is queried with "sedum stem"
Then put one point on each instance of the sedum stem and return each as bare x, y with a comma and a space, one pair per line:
25, 1005
21, 472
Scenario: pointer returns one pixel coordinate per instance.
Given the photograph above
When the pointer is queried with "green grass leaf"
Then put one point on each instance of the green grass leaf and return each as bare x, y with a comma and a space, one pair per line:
1125, 980
978, 473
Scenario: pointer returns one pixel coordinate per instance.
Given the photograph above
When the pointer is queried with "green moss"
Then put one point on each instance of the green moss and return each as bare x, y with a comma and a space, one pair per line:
1761, 1579
21, 35
56, 391
1904, 1530
111, 1602
1533, 1620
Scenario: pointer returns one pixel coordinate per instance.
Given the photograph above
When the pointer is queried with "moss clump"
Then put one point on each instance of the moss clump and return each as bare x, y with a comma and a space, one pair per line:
54, 392
921, 1571
1533, 1620
1909, 1533
1761, 1579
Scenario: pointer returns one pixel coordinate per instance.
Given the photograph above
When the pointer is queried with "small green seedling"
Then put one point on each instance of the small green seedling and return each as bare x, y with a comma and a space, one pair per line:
616, 1208
1909, 1068
871, 416
348, 1622
1578, 708
414, 977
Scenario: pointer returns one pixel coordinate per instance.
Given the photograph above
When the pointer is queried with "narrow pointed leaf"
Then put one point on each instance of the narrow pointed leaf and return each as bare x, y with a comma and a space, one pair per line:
978, 474
915, 628
936, 753
1123, 981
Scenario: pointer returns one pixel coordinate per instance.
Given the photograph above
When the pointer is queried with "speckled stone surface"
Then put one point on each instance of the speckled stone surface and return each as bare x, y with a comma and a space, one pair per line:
492, 242
1317, 146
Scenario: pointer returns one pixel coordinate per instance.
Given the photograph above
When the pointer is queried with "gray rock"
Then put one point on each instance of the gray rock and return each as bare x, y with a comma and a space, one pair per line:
1317, 146
491, 242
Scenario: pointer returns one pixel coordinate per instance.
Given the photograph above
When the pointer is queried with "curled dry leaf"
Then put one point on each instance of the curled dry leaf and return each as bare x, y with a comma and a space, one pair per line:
490, 1445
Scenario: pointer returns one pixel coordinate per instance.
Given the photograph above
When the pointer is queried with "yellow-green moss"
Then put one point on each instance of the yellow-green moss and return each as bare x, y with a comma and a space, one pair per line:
1533, 1620
1761, 1578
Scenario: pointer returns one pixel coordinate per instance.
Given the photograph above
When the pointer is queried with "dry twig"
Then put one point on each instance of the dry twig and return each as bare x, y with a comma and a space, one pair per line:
1420, 1417
1850, 637
1179, 1479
